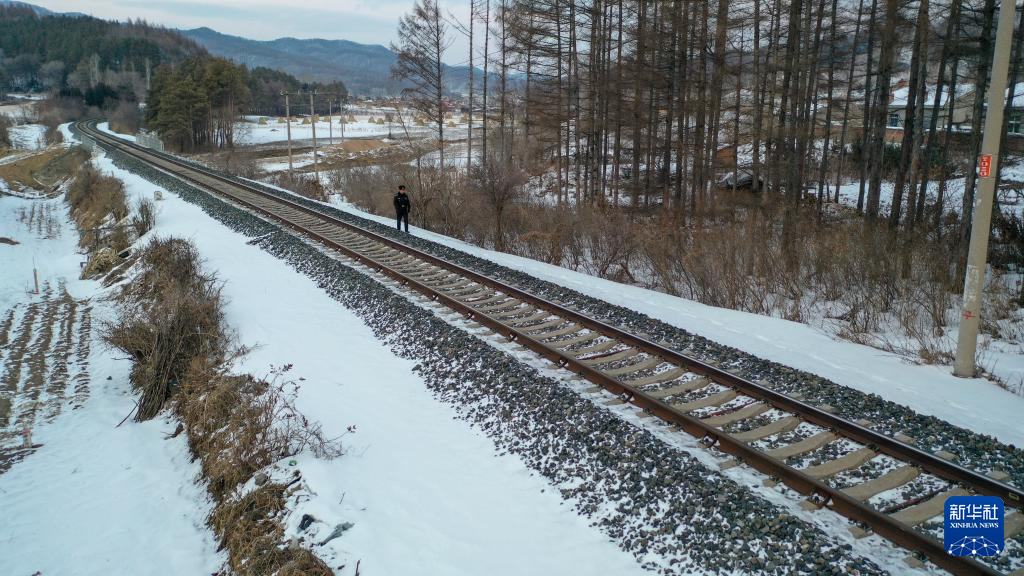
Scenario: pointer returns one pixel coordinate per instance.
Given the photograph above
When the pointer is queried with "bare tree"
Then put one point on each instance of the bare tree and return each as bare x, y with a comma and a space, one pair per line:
423, 40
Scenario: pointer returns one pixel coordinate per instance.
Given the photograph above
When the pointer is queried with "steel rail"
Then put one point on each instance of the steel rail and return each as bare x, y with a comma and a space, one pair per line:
821, 493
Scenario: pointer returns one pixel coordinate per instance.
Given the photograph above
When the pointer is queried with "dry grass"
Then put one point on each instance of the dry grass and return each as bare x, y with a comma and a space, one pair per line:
171, 323
864, 282
250, 529
144, 217
98, 207
170, 315
43, 170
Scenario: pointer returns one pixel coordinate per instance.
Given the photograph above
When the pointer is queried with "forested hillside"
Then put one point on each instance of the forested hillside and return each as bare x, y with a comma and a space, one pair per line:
44, 52
84, 63
90, 66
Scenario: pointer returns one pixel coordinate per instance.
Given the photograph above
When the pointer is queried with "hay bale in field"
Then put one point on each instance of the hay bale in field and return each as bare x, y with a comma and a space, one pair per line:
451, 124
281, 120
350, 118
262, 121
380, 121
420, 122
305, 121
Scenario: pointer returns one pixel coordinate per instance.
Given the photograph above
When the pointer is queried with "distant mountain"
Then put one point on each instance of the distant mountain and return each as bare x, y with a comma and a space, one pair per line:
39, 10
364, 68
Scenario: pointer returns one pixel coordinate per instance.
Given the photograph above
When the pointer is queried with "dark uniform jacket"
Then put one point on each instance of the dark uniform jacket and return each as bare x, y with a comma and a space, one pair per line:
402, 203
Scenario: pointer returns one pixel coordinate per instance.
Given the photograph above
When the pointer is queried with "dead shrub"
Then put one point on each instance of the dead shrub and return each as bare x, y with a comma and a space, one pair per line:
144, 217
5, 136
250, 529
241, 424
98, 206
169, 316
171, 323
301, 184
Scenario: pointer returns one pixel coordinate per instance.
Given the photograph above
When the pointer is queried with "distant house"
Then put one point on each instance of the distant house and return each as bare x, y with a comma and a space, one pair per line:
962, 110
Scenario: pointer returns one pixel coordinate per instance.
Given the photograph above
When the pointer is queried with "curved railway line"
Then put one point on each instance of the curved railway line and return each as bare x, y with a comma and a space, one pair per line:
903, 489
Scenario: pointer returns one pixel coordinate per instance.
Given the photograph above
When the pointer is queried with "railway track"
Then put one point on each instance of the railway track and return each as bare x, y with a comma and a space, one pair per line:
885, 485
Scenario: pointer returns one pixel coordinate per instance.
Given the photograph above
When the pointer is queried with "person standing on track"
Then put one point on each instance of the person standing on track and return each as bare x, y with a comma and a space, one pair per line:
402, 207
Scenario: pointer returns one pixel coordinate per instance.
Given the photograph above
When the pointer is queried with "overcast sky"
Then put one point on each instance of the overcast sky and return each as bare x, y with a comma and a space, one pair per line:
365, 21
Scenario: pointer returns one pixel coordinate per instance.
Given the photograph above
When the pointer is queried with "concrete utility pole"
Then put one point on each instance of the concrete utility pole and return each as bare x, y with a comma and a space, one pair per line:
974, 280
312, 121
330, 120
288, 121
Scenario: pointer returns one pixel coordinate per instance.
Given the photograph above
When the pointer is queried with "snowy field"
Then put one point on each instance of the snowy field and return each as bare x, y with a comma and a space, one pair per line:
422, 488
975, 404
94, 499
28, 137
251, 132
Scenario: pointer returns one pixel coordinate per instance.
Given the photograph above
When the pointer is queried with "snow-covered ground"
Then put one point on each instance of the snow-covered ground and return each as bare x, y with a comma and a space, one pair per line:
975, 403
365, 126
426, 492
28, 136
94, 499
105, 127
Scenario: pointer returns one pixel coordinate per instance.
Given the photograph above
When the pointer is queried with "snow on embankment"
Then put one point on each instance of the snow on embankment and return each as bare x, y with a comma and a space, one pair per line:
94, 498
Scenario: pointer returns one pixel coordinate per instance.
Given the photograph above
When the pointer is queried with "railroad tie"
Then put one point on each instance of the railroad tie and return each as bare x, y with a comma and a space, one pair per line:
688, 386
449, 284
505, 305
887, 481
536, 328
841, 464
748, 411
779, 426
920, 513
802, 447
540, 315
570, 329
431, 273
659, 378
710, 400
469, 292
1013, 524
581, 339
614, 357
490, 300
647, 364
514, 313
599, 347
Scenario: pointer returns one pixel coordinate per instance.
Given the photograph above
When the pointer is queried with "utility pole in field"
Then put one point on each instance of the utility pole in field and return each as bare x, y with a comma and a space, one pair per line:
312, 121
330, 120
974, 279
288, 121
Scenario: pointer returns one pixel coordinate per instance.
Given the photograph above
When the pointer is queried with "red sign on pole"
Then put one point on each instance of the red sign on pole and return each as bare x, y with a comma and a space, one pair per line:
985, 165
